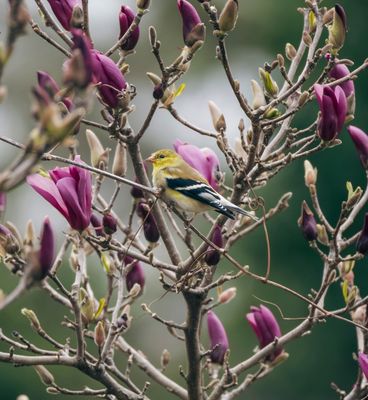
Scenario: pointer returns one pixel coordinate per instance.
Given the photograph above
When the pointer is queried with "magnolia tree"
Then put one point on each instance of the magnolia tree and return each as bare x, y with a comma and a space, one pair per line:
313, 71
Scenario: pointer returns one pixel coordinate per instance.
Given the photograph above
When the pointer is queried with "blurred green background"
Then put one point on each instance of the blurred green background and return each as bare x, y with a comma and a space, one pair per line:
263, 29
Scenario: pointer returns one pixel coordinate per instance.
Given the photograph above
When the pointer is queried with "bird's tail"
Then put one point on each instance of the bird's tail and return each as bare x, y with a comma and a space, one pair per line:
239, 210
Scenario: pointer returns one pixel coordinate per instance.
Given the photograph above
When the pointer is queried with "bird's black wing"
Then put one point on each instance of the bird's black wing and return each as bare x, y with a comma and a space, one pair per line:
201, 192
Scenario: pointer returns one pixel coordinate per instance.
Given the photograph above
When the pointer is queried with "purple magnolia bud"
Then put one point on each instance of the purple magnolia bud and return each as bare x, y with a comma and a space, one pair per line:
109, 224
340, 71
136, 193
63, 10
97, 224
135, 274
48, 83
266, 328
69, 190
212, 257
362, 242
360, 140
150, 229
2, 202
193, 28
363, 363
204, 160
78, 70
47, 248
111, 80
308, 223
333, 107
218, 338
126, 18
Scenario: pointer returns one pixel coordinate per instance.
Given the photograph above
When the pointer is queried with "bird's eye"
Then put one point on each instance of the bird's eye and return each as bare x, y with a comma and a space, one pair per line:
162, 155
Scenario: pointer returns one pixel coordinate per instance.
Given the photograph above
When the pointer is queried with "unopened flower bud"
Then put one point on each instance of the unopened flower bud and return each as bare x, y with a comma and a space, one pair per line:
45, 375
359, 315
353, 195
2, 202
360, 140
290, 51
193, 28
328, 16
310, 174
312, 21
229, 16
135, 273
99, 156
165, 359
119, 166
126, 18
337, 31
258, 95
227, 295
8, 240
135, 291
218, 338
218, 119
123, 322
363, 363
99, 335
136, 192
47, 249
87, 306
307, 223
109, 224
213, 256
143, 4
307, 38
30, 235
362, 243
97, 224
322, 235
269, 84
303, 98
63, 11
32, 318
150, 229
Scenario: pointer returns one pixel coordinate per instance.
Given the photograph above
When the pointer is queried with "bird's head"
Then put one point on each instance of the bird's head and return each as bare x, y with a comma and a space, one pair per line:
163, 158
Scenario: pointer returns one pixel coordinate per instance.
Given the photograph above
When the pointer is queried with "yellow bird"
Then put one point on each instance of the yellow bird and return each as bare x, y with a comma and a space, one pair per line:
186, 188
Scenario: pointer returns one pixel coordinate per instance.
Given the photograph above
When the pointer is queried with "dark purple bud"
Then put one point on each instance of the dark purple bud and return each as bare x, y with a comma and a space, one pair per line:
333, 107
266, 328
126, 18
2, 202
360, 140
212, 257
47, 248
109, 224
362, 242
218, 338
135, 273
136, 193
193, 28
63, 10
150, 229
110, 79
158, 92
97, 224
363, 363
308, 223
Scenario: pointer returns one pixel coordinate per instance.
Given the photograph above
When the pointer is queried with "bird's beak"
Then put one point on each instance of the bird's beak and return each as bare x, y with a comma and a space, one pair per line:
150, 159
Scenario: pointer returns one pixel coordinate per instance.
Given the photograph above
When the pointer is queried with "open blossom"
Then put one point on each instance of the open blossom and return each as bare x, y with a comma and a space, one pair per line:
63, 10
204, 160
108, 75
360, 140
126, 18
193, 28
218, 338
69, 191
333, 106
266, 328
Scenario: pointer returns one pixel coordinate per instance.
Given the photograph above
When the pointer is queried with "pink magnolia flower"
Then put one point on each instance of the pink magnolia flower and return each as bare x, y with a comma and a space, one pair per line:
193, 28
363, 363
204, 160
69, 190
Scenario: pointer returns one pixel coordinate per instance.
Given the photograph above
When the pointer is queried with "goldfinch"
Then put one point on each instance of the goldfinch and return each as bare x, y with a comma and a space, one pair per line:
186, 188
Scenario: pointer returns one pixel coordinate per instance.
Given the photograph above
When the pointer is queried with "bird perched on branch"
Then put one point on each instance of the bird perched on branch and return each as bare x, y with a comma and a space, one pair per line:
186, 188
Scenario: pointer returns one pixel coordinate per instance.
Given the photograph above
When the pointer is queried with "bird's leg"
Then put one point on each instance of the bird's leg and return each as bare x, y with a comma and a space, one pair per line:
188, 233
